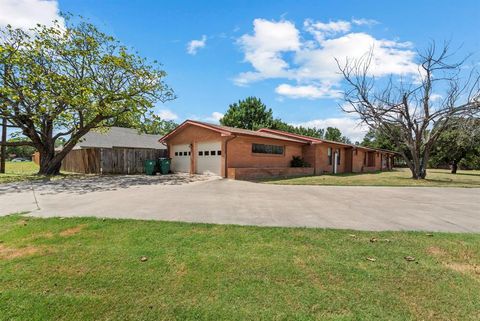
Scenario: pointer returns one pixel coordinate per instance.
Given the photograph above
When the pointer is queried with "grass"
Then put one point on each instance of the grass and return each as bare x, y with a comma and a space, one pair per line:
397, 177
90, 269
19, 171
25, 171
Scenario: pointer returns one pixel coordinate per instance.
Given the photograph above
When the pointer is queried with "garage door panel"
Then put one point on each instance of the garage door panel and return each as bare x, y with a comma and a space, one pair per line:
181, 155
209, 158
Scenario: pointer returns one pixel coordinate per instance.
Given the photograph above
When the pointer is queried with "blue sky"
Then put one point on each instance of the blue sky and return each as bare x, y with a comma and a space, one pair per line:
280, 51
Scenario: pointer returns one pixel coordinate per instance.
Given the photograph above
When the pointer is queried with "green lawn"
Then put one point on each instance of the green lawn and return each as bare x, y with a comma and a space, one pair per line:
90, 269
397, 177
26, 171
20, 171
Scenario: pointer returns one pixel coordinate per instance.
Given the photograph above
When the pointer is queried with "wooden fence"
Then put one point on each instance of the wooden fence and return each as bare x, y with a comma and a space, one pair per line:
110, 160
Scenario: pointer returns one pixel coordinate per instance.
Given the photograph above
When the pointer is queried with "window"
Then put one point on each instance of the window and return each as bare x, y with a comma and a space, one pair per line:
365, 159
219, 152
176, 153
200, 153
189, 153
338, 157
329, 153
207, 153
184, 153
267, 149
356, 151
212, 153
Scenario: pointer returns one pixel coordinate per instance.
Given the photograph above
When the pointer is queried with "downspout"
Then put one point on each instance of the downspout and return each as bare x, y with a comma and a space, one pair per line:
226, 155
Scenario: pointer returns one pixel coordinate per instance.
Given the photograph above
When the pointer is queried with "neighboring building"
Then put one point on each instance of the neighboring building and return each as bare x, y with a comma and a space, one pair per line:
198, 147
119, 137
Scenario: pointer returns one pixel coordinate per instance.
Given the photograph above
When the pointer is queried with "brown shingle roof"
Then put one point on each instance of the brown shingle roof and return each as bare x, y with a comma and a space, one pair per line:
232, 130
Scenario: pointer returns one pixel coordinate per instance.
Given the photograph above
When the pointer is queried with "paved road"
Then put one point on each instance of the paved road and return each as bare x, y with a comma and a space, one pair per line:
180, 198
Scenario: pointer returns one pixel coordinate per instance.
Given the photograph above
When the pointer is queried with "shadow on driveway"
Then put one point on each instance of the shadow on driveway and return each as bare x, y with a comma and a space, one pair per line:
94, 183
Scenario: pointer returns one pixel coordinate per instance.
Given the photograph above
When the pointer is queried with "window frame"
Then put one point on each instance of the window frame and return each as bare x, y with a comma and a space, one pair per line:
272, 152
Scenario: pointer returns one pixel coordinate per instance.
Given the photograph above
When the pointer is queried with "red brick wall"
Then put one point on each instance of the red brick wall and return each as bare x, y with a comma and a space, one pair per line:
322, 160
258, 173
239, 153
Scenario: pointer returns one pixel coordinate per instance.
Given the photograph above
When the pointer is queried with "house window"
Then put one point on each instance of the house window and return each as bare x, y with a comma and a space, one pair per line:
365, 159
356, 151
329, 153
189, 153
212, 152
267, 149
219, 152
184, 153
207, 153
200, 153
176, 153
338, 157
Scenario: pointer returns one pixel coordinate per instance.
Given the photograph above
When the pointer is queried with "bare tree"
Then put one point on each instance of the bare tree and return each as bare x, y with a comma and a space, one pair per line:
413, 113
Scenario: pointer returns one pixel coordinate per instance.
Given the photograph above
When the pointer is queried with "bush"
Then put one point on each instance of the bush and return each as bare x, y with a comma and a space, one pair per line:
298, 161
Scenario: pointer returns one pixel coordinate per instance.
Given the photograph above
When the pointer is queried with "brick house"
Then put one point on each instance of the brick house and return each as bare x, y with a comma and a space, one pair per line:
198, 147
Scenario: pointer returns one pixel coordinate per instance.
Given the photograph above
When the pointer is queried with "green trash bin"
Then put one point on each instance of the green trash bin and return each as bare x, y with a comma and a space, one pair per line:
164, 165
150, 167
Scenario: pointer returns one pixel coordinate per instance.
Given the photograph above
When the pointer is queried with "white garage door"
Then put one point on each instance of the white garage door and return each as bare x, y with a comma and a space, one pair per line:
181, 158
209, 158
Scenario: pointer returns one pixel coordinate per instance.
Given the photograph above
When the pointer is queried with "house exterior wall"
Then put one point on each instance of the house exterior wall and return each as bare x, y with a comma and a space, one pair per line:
322, 165
239, 153
193, 135
238, 160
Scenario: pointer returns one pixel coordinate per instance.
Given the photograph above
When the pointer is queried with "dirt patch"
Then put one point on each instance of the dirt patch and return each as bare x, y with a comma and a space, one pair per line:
464, 268
436, 251
72, 231
7, 253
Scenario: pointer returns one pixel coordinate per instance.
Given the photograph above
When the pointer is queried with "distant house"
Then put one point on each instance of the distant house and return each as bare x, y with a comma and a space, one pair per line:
116, 150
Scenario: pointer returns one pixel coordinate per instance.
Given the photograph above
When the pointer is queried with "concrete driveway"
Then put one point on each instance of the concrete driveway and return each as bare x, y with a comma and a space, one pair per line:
209, 200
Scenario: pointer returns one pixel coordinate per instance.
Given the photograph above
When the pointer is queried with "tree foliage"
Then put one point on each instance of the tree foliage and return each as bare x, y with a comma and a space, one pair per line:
62, 81
250, 113
460, 142
414, 113
334, 134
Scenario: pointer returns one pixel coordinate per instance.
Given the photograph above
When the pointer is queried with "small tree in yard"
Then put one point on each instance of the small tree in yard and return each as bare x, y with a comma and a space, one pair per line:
63, 81
410, 114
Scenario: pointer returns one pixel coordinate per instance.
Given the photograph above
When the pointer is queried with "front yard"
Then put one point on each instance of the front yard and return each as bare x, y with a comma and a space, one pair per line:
397, 177
91, 269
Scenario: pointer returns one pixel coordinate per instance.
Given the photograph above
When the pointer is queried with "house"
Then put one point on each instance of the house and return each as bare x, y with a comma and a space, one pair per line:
116, 150
198, 147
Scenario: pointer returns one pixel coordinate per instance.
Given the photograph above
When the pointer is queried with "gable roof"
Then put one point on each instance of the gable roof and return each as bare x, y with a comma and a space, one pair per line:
119, 137
227, 131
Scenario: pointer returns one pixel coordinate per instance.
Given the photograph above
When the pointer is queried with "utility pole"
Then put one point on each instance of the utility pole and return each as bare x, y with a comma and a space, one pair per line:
3, 143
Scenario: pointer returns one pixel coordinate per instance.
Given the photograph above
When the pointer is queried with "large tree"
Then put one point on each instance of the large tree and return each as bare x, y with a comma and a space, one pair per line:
335, 134
250, 113
460, 141
65, 80
413, 113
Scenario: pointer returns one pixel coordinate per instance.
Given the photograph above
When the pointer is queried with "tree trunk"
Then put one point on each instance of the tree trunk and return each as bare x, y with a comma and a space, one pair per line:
454, 167
49, 164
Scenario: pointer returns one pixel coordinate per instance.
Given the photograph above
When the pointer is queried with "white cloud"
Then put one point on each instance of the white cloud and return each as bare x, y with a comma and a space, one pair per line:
278, 50
26, 14
263, 49
364, 22
166, 114
350, 127
194, 45
214, 117
324, 90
